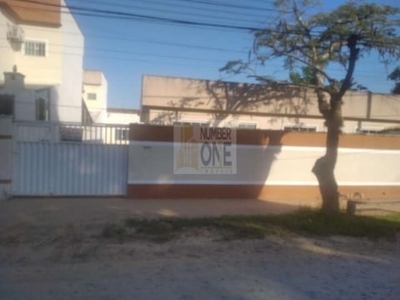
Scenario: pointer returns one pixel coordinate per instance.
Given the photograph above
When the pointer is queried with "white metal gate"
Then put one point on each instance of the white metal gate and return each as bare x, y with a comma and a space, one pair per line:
52, 167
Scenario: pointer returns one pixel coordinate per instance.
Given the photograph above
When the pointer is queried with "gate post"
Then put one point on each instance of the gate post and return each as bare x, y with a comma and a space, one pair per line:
6, 154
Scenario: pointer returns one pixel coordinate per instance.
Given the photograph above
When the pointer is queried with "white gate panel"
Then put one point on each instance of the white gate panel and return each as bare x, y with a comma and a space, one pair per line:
69, 169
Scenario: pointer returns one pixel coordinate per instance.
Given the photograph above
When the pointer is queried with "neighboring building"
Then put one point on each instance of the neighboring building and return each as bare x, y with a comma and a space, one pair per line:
95, 89
41, 58
122, 116
172, 100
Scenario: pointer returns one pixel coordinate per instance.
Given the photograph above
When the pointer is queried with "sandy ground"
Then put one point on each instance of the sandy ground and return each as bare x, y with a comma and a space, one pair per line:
203, 268
52, 251
61, 211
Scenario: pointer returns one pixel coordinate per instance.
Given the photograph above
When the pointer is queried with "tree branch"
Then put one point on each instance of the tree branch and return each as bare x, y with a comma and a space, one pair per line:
307, 30
291, 84
313, 66
352, 44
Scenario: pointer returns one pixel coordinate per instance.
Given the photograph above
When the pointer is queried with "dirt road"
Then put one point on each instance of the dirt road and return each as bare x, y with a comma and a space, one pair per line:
52, 250
205, 268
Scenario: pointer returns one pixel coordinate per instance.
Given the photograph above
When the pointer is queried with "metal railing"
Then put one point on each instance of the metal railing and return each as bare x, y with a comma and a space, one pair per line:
71, 132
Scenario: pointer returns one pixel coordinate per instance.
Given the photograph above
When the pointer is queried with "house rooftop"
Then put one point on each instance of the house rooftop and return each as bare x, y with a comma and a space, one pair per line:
45, 12
123, 110
93, 77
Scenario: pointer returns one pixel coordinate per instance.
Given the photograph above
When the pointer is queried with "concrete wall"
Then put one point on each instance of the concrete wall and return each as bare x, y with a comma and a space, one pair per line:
193, 93
162, 117
70, 92
168, 99
122, 118
7, 53
24, 104
6, 157
270, 164
385, 107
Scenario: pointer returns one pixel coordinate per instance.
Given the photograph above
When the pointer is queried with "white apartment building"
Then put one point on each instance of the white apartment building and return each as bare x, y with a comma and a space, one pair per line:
41, 62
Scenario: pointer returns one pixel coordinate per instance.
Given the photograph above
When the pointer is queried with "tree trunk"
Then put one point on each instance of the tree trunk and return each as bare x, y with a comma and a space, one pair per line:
324, 167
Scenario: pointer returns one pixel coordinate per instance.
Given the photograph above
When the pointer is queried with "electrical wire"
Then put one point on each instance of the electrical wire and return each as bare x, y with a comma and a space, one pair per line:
190, 13
126, 15
162, 56
127, 52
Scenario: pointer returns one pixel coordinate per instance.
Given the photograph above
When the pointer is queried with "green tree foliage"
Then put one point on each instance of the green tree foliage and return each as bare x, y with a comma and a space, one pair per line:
307, 76
395, 76
309, 45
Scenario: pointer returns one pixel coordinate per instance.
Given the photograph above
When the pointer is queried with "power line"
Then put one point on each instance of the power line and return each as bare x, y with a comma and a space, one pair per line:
127, 59
230, 5
113, 4
113, 37
133, 53
164, 56
189, 7
108, 57
126, 16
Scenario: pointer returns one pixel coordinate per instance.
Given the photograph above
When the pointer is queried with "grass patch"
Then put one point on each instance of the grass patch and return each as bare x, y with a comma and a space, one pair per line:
115, 231
304, 222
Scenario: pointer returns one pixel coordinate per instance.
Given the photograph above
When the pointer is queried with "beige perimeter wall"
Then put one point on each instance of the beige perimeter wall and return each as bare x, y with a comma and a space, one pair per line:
269, 164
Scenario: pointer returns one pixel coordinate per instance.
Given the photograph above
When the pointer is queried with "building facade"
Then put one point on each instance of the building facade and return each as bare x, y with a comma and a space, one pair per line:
95, 95
122, 116
42, 44
171, 100
95, 89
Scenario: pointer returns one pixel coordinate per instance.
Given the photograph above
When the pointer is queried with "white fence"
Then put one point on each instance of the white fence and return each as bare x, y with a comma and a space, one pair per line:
69, 169
54, 159
71, 132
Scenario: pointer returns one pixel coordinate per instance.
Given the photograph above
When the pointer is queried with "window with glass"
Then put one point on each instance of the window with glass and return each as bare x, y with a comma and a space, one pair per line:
92, 96
247, 125
305, 128
121, 134
42, 110
35, 48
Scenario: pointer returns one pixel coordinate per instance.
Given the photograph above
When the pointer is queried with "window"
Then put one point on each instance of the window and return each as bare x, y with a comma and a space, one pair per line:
300, 128
6, 105
92, 96
374, 130
190, 123
247, 125
35, 48
42, 109
121, 134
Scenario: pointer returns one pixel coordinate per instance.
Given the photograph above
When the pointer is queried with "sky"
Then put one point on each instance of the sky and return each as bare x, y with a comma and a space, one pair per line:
125, 49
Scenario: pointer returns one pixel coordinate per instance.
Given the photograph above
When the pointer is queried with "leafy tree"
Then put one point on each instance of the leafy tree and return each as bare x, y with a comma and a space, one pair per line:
310, 46
395, 76
306, 76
